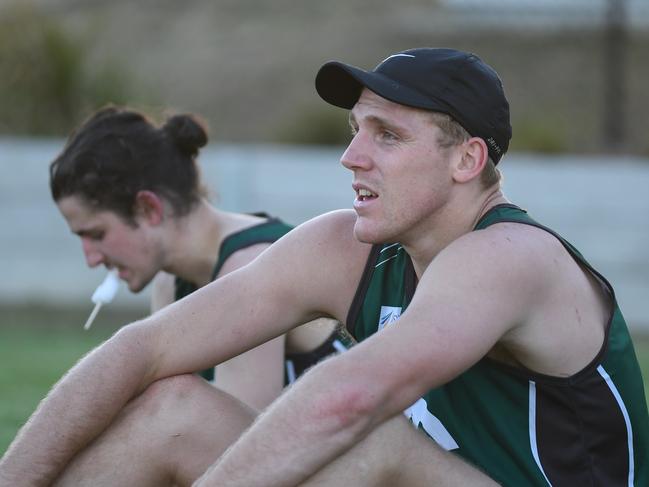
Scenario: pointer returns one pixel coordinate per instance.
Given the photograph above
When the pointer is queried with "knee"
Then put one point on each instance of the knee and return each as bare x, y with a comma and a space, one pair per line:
161, 401
178, 400
172, 388
141, 437
185, 423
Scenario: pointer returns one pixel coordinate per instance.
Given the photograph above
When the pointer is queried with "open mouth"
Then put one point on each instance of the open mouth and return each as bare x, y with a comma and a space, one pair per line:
122, 273
365, 194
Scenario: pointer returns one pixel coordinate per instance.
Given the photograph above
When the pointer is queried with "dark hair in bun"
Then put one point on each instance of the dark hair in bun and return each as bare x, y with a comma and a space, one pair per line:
118, 152
188, 133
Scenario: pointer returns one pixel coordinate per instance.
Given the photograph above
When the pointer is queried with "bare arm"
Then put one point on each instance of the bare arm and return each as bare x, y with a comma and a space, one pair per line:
221, 320
468, 299
77, 409
73, 415
256, 376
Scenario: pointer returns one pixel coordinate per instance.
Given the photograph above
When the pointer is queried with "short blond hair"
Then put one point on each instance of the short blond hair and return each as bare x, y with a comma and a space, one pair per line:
451, 134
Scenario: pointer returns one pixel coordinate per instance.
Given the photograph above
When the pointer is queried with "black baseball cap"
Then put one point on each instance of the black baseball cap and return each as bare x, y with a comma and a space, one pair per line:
444, 80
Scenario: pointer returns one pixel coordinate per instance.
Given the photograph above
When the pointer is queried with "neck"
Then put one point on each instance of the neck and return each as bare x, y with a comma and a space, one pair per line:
455, 220
496, 197
197, 239
193, 244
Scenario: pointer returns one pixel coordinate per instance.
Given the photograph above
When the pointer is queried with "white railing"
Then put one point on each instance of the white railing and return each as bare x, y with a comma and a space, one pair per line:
600, 204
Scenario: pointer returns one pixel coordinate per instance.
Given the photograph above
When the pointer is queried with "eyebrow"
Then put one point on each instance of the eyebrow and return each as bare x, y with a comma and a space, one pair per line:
379, 122
85, 231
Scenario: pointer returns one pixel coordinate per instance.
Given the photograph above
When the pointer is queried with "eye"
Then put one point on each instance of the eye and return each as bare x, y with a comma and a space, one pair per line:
95, 235
388, 136
353, 130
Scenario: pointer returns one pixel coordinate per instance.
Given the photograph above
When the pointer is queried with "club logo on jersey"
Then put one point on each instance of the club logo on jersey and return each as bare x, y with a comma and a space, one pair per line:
389, 314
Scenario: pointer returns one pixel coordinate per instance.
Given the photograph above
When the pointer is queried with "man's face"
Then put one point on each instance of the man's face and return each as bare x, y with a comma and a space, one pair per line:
109, 240
402, 178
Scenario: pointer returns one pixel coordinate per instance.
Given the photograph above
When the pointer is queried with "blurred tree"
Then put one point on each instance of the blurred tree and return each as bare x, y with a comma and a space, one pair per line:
543, 133
314, 124
45, 87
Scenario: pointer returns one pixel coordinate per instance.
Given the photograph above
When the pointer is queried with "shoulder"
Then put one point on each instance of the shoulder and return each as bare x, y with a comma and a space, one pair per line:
504, 248
505, 272
163, 292
330, 238
333, 227
327, 236
331, 231
322, 261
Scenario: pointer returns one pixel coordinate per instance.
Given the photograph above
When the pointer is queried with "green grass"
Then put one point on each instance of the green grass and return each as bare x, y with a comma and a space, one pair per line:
34, 356
37, 346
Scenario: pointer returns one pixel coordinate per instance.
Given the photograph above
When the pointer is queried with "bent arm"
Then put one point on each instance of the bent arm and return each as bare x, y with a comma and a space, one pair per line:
77, 409
257, 376
213, 324
452, 322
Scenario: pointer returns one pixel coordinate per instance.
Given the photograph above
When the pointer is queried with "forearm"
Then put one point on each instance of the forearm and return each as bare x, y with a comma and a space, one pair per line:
76, 410
306, 429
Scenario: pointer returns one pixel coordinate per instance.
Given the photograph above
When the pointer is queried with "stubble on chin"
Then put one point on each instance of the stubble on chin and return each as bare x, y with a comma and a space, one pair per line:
368, 235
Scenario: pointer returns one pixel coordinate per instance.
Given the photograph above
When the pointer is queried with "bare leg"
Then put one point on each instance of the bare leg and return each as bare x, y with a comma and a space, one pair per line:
167, 436
396, 454
179, 426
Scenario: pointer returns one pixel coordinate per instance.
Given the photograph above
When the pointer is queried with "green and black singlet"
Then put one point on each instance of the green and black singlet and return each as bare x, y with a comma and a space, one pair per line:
521, 427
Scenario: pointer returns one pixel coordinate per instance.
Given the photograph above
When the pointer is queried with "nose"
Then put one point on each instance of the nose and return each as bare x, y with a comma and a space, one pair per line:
93, 256
357, 156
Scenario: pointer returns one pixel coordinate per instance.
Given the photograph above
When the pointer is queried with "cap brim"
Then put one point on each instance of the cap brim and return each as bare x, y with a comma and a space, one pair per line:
341, 85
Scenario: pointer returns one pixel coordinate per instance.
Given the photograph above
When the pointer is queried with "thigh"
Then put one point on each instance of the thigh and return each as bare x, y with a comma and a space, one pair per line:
167, 436
397, 454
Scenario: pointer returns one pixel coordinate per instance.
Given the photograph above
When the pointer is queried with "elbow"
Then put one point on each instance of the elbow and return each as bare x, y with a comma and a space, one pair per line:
343, 403
133, 346
128, 339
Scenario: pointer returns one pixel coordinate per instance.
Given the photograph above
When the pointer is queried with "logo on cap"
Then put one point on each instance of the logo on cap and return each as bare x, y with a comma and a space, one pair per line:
395, 55
494, 145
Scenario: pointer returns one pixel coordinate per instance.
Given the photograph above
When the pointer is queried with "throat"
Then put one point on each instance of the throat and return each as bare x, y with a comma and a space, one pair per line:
495, 198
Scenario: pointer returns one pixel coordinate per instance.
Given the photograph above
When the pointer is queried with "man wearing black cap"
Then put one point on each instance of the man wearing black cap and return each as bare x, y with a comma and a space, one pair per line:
485, 330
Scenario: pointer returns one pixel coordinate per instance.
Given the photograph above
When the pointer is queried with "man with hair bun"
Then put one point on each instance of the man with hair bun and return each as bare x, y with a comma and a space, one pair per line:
132, 192
483, 329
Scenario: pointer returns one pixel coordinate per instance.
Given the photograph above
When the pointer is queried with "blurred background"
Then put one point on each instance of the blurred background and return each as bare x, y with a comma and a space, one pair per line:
575, 72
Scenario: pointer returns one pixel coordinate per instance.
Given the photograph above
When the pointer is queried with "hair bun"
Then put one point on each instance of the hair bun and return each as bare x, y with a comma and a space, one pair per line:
187, 131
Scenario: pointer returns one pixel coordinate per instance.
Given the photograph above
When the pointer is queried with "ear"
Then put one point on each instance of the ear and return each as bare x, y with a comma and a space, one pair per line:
149, 206
473, 160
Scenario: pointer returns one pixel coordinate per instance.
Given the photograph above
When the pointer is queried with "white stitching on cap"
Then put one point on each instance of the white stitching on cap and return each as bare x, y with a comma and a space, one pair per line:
396, 55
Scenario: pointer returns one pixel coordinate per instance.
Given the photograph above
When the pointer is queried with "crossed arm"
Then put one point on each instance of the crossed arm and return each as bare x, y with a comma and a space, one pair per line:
452, 322
233, 314
256, 376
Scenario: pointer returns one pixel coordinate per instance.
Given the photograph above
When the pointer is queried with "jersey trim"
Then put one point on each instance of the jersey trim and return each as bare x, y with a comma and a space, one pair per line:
524, 371
532, 430
625, 415
295, 364
361, 290
393, 256
248, 237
